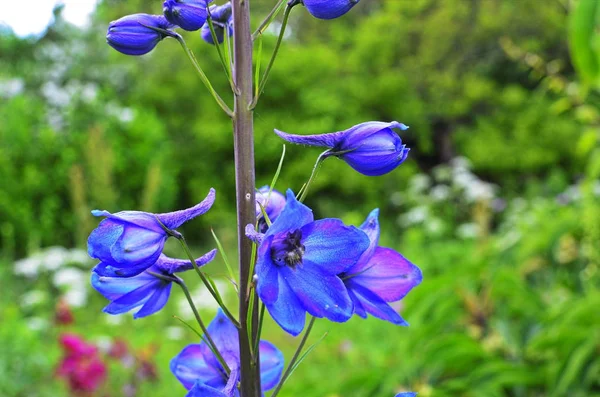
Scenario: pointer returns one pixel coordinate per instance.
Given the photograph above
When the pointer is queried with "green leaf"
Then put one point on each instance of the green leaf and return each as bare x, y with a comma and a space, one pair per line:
584, 41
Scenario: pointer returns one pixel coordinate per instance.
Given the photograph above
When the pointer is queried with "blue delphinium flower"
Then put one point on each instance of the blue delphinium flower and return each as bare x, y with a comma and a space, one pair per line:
329, 9
188, 14
134, 34
406, 394
131, 241
273, 205
197, 368
298, 264
381, 275
222, 19
371, 148
149, 289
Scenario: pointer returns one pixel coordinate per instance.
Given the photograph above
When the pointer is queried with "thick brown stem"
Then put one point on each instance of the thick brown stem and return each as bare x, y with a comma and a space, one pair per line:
244, 178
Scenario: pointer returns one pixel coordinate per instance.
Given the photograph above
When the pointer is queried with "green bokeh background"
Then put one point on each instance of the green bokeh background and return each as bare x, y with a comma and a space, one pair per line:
498, 202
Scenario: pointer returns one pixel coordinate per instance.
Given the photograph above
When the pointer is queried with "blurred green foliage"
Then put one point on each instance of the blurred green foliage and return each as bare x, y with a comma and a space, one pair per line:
508, 243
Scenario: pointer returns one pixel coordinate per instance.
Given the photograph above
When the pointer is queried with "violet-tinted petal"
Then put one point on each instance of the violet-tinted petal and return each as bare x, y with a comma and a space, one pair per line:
190, 366
225, 336
113, 288
170, 266
156, 302
137, 246
389, 275
322, 295
271, 365
173, 220
329, 140
134, 34
190, 15
105, 270
287, 310
371, 228
266, 271
359, 310
273, 204
142, 219
374, 305
102, 238
202, 390
406, 394
230, 389
134, 298
294, 216
333, 246
253, 235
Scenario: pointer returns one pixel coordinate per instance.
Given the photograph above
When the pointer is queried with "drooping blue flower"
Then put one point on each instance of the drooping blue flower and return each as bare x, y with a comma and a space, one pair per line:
298, 264
134, 34
329, 9
273, 205
197, 368
145, 289
222, 19
371, 148
188, 14
132, 241
381, 275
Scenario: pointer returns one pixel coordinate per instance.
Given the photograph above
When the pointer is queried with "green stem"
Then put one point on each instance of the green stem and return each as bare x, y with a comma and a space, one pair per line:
218, 46
203, 77
261, 317
206, 282
263, 82
313, 174
290, 366
265, 24
209, 339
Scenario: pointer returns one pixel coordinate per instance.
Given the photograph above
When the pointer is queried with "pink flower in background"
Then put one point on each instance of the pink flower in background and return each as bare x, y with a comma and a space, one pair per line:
81, 365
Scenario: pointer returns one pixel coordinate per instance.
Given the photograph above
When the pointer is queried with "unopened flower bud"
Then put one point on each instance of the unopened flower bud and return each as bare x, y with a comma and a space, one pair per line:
137, 34
329, 9
222, 20
187, 14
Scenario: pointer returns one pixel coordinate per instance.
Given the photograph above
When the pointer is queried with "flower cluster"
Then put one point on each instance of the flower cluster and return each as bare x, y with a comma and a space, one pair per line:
81, 365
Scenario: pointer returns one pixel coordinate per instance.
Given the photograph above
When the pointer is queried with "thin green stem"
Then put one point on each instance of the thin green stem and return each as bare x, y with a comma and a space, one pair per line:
209, 339
267, 21
261, 317
313, 175
263, 82
206, 282
290, 366
226, 66
203, 77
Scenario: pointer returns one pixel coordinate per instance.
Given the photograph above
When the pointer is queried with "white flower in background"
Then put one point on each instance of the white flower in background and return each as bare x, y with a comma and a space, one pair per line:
37, 324
50, 259
175, 333
434, 226
414, 216
467, 230
419, 183
11, 87
75, 282
440, 193
32, 298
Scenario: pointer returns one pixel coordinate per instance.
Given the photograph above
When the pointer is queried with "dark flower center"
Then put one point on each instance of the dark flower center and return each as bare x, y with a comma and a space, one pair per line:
287, 249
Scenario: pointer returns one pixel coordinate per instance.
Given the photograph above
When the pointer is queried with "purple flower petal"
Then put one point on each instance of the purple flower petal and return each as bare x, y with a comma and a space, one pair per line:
134, 298
389, 275
190, 366
105, 270
322, 295
294, 216
271, 365
202, 390
325, 140
156, 302
137, 246
374, 305
268, 278
359, 310
287, 310
173, 220
333, 246
329, 9
253, 235
170, 266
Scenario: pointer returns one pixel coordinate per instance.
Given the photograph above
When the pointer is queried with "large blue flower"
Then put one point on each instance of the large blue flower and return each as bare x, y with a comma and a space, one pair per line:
381, 275
197, 368
298, 264
145, 289
372, 148
131, 241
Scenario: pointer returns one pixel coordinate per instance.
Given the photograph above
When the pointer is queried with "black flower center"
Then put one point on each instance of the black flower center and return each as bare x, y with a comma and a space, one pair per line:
287, 249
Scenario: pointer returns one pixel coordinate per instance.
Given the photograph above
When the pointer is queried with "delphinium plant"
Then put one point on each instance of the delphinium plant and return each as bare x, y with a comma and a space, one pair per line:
291, 266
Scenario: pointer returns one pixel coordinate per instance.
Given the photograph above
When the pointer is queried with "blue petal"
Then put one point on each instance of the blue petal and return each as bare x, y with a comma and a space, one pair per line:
105, 270
322, 295
371, 228
142, 219
225, 336
330, 140
173, 220
169, 265
137, 246
389, 275
202, 390
271, 365
287, 310
329, 9
333, 246
190, 366
157, 301
294, 216
406, 394
359, 310
266, 272
253, 235
375, 305
102, 238
114, 287
133, 299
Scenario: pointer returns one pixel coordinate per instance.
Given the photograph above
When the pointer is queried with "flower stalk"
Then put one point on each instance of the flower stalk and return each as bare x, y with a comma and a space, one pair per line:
243, 133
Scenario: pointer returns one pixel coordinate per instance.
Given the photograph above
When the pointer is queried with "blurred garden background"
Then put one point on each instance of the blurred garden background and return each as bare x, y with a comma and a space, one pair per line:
498, 203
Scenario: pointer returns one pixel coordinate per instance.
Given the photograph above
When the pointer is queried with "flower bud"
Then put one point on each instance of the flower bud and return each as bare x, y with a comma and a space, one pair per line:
188, 14
329, 9
371, 148
135, 34
273, 204
222, 19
